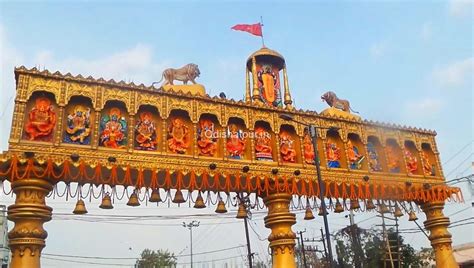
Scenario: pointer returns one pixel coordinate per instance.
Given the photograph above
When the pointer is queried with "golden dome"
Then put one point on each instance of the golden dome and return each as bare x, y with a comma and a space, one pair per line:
268, 54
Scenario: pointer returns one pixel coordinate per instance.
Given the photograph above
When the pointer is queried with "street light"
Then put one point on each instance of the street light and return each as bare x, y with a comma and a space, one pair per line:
190, 227
314, 136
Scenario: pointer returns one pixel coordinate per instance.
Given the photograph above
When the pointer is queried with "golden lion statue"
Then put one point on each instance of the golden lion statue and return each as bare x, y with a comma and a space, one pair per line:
333, 101
189, 72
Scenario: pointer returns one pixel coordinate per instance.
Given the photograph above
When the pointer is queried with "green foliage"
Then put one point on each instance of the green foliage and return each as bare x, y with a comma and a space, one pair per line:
156, 259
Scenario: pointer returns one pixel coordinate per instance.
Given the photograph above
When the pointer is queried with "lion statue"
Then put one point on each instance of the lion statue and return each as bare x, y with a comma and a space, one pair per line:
333, 101
188, 72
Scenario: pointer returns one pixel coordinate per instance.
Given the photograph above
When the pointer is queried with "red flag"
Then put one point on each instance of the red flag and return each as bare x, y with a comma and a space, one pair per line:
255, 29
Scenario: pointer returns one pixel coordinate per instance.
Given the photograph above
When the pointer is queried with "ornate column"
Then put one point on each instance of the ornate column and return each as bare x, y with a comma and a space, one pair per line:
440, 238
282, 238
287, 97
27, 238
248, 97
256, 91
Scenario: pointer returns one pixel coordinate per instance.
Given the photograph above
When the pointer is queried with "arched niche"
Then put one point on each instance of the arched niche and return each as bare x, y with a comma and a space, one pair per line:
180, 133
148, 128
78, 121
412, 158
265, 149
356, 153
429, 160
376, 155
309, 150
335, 156
394, 156
237, 139
40, 117
290, 144
113, 126
209, 132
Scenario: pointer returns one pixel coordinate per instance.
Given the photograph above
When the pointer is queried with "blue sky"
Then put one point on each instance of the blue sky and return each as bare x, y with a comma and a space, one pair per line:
405, 62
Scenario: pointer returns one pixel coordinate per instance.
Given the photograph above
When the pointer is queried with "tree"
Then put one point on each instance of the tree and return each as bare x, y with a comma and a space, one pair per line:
156, 259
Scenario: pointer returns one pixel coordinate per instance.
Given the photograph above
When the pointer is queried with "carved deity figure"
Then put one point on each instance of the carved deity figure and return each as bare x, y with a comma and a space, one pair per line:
178, 136
333, 154
145, 132
355, 158
113, 129
41, 120
374, 163
207, 138
428, 168
287, 150
269, 85
263, 146
78, 125
393, 163
235, 142
308, 149
412, 162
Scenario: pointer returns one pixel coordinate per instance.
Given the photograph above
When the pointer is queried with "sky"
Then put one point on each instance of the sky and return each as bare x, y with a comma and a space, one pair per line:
407, 62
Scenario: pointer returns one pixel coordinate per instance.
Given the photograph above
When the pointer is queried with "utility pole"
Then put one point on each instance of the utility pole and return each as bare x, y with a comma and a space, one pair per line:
246, 202
324, 244
355, 241
302, 248
190, 227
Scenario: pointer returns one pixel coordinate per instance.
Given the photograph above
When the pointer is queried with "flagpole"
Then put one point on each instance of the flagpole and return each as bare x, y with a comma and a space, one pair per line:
261, 23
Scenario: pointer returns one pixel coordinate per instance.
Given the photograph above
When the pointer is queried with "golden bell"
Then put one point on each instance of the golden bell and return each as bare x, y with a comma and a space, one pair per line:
320, 213
412, 216
133, 200
370, 204
80, 207
221, 207
354, 204
106, 202
155, 196
383, 209
178, 197
308, 215
338, 208
242, 212
398, 212
199, 202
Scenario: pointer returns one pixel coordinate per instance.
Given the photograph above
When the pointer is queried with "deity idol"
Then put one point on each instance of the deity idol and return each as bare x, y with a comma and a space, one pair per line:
145, 133
428, 169
374, 163
333, 154
412, 162
207, 138
235, 142
178, 136
355, 159
78, 127
263, 147
287, 150
41, 120
269, 85
113, 129
308, 149
393, 163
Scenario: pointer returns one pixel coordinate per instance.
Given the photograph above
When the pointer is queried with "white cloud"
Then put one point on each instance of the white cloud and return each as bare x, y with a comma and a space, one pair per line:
424, 107
455, 74
426, 31
378, 50
461, 8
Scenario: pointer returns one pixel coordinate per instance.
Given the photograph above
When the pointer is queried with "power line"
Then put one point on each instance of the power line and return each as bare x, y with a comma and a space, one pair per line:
456, 154
93, 263
222, 259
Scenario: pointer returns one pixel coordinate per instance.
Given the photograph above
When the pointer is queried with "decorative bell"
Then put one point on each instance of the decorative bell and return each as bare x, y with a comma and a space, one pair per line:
133, 200
370, 204
412, 216
398, 212
338, 208
383, 209
354, 204
199, 202
106, 202
155, 196
80, 207
308, 215
178, 197
242, 212
320, 213
221, 207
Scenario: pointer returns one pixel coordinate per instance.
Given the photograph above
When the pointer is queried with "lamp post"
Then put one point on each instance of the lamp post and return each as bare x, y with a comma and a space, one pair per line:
314, 136
190, 227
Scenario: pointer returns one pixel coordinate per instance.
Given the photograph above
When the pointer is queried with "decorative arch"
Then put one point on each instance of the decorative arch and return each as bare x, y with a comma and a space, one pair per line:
290, 144
356, 153
40, 118
394, 155
180, 132
335, 156
265, 142
147, 129
412, 158
209, 132
376, 155
429, 163
113, 125
237, 140
78, 121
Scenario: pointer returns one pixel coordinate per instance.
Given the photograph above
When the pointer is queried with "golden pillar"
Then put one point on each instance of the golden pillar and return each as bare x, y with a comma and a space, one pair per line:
27, 238
248, 96
256, 91
440, 238
287, 97
282, 238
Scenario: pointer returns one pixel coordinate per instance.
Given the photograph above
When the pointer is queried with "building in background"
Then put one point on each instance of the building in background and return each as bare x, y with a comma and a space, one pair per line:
4, 250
